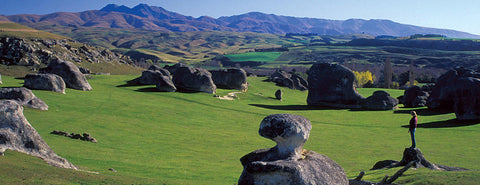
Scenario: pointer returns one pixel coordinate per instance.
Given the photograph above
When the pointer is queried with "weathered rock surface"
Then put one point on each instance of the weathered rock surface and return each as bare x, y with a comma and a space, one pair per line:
151, 77
285, 79
457, 90
416, 156
23, 96
287, 162
230, 79
279, 95
165, 84
70, 73
332, 85
192, 79
50, 82
380, 100
30, 52
467, 99
17, 134
1, 79
415, 97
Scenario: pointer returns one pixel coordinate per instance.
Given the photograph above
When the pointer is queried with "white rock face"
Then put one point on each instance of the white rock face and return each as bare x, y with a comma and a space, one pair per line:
17, 134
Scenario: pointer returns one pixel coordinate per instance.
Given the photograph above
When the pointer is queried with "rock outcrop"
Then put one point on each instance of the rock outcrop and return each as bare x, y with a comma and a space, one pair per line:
70, 74
192, 79
332, 85
415, 97
1, 79
151, 77
50, 82
33, 52
457, 90
23, 96
230, 79
17, 134
290, 80
380, 100
279, 94
287, 162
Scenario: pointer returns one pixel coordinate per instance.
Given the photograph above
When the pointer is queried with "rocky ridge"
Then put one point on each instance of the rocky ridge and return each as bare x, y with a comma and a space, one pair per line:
36, 52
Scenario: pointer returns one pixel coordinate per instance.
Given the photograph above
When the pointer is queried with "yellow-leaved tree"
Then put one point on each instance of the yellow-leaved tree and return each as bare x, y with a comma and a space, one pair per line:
364, 78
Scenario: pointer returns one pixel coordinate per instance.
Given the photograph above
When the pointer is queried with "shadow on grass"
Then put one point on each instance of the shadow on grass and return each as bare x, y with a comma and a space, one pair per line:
293, 107
424, 112
447, 124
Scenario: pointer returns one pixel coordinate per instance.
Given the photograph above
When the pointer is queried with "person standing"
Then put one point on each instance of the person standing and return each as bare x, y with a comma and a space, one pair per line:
413, 127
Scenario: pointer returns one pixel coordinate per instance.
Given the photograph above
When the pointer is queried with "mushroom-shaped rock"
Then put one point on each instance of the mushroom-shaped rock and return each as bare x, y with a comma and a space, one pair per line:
51, 82
23, 96
70, 73
288, 162
17, 134
332, 85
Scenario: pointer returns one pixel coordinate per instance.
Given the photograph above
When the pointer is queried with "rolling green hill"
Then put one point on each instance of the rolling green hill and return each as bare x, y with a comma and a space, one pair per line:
152, 137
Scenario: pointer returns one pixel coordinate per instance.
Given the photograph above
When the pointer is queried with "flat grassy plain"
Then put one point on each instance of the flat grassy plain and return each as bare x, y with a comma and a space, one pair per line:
154, 137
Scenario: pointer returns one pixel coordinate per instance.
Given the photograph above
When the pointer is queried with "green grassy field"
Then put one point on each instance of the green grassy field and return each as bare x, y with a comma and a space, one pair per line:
193, 138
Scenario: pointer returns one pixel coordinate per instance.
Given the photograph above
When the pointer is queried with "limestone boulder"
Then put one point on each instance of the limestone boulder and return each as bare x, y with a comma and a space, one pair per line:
380, 100
415, 97
287, 162
1, 79
467, 99
23, 96
192, 79
290, 80
151, 77
70, 74
332, 85
17, 134
230, 79
50, 82
165, 84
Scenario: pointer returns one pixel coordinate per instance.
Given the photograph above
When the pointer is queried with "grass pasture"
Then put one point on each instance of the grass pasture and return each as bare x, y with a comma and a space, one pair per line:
152, 137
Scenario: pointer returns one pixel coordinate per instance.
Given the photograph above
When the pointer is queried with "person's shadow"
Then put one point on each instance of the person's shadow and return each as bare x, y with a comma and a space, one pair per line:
447, 124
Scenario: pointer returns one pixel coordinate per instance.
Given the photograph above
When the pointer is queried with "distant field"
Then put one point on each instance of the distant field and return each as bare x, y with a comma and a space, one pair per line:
193, 138
254, 56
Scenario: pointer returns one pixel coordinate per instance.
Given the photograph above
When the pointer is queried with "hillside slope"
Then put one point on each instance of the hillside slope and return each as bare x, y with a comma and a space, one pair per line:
156, 18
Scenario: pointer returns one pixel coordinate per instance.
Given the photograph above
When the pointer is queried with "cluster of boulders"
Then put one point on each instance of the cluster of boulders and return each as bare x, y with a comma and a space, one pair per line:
31, 52
17, 134
288, 162
415, 96
181, 77
22, 96
458, 90
83, 137
332, 85
290, 80
57, 76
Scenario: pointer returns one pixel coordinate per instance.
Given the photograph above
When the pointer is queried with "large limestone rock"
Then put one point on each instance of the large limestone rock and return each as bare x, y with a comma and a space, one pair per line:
285, 79
70, 73
467, 99
230, 79
287, 162
50, 82
380, 100
1, 79
332, 85
165, 84
192, 79
17, 134
415, 97
457, 90
151, 77
23, 96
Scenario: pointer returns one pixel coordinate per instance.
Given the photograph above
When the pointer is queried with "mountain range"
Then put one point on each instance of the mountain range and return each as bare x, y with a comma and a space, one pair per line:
155, 18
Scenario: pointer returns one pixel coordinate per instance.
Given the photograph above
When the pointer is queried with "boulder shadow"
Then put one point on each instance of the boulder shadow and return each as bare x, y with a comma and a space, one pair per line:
148, 89
292, 107
424, 112
447, 124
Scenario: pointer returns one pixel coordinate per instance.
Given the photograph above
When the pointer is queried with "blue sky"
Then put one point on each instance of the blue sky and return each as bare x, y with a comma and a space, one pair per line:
461, 15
